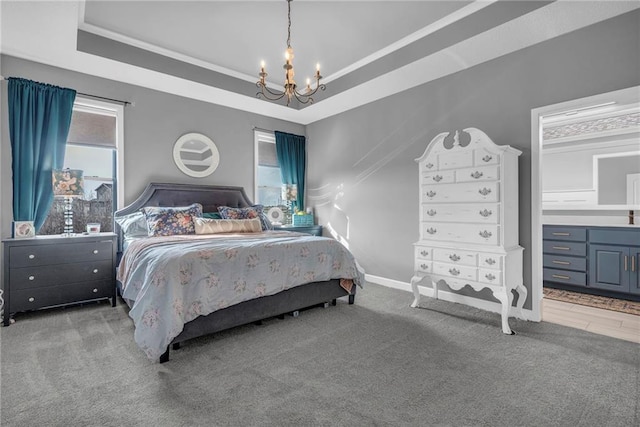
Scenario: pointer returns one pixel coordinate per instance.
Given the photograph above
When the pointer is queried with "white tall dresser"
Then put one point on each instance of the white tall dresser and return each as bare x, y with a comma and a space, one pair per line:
469, 218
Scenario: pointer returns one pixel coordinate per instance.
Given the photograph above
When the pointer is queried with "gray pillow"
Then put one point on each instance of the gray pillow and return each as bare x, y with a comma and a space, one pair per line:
133, 225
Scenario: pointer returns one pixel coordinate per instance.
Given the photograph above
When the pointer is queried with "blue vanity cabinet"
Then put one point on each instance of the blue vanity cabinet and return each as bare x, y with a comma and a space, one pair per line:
564, 255
614, 255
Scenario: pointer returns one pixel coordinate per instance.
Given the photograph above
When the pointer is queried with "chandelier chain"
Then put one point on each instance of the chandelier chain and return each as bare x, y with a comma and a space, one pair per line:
289, 27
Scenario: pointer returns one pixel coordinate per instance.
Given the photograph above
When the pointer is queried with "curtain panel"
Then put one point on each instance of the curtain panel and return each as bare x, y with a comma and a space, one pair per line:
292, 157
39, 121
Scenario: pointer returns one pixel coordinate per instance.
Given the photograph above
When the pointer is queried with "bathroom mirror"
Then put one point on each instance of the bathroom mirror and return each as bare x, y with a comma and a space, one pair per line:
196, 155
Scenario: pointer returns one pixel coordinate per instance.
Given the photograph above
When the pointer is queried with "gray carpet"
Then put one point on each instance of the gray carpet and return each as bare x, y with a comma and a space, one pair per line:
378, 362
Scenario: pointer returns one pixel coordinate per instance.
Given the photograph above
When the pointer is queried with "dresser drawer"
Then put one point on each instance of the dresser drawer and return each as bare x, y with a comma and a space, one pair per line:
455, 256
463, 192
484, 157
451, 160
32, 299
486, 234
564, 233
423, 252
438, 177
455, 271
485, 173
564, 276
564, 248
26, 256
489, 275
49, 275
481, 212
490, 261
565, 262
423, 266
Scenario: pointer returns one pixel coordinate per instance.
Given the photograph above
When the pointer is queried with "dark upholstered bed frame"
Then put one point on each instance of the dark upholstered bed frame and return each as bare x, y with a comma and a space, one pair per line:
288, 301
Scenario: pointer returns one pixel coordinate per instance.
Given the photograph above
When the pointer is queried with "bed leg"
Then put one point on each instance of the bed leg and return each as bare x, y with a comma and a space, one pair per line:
325, 305
165, 356
295, 313
175, 346
334, 301
352, 299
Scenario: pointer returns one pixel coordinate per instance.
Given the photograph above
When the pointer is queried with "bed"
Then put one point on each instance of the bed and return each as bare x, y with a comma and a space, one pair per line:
209, 283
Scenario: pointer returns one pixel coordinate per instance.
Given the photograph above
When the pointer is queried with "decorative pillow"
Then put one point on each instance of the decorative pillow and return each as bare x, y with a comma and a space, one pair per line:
212, 215
254, 211
133, 225
169, 221
213, 226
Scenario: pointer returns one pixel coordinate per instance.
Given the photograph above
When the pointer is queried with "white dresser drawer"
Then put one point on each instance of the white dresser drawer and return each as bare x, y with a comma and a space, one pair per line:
423, 252
490, 261
486, 234
483, 173
460, 159
463, 192
489, 275
484, 157
455, 256
455, 271
423, 266
486, 213
438, 177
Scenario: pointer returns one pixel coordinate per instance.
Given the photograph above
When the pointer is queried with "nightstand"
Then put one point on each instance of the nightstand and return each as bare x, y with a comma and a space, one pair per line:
48, 271
315, 230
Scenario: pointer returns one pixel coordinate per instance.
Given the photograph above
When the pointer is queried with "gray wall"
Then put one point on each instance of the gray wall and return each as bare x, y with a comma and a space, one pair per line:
362, 177
152, 125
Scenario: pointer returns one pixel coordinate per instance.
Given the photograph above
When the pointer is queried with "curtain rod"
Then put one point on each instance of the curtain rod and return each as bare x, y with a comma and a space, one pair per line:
95, 96
262, 129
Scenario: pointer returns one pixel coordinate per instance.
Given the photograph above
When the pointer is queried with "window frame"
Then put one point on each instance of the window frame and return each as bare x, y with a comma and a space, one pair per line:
259, 135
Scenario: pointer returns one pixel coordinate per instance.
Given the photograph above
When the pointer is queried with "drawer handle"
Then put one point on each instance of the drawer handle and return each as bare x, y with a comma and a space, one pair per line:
561, 248
95, 271
454, 257
431, 193
429, 165
31, 299
487, 158
633, 263
32, 277
486, 234
31, 256
561, 262
485, 213
95, 290
454, 271
431, 212
490, 261
561, 234
437, 178
95, 251
484, 191
424, 253
559, 276
476, 174
424, 266
490, 276
626, 261
432, 230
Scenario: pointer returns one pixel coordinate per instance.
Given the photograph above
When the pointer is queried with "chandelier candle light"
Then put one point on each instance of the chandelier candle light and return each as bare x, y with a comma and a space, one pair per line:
68, 183
289, 83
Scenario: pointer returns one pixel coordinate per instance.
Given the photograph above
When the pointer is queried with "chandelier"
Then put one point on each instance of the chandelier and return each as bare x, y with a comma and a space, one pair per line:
289, 83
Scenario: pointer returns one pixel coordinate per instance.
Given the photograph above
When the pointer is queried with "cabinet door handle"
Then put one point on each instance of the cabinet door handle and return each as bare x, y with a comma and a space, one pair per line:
424, 253
95, 251
626, 261
432, 230
454, 271
485, 213
486, 158
431, 193
484, 191
489, 276
429, 165
31, 299
31, 256
559, 276
486, 234
561, 262
95, 290
633, 263
454, 257
424, 266
476, 174
431, 212
95, 271
490, 261
561, 234
32, 277
437, 178
561, 248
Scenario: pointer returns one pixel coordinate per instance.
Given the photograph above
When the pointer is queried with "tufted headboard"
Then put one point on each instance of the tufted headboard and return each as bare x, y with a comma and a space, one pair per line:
166, 194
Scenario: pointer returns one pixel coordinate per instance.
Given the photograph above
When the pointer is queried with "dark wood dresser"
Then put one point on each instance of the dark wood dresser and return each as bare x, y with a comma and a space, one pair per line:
48, 271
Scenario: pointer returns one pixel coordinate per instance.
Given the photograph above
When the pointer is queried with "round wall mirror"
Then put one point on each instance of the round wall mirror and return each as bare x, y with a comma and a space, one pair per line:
196, 155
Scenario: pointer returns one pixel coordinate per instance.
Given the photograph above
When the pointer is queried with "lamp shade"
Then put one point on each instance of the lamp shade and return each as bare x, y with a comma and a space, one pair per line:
289, 192
68, 183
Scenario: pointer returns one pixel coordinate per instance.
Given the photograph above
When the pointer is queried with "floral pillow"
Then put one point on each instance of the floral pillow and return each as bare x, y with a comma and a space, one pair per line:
254, 211
169, 221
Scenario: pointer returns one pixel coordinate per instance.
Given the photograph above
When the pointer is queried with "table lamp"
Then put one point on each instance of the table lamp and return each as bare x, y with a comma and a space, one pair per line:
68, 183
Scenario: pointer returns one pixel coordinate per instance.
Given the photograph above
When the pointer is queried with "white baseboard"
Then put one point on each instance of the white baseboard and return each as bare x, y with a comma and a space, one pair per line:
491, 306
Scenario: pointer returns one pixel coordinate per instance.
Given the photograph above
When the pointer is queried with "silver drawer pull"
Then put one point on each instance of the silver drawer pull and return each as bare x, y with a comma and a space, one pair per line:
490, 261
484, 191
429, 165
431, 212
561, 234
95, 270
424, 266
454, 257
424, 253
95, 290
561, 262
559, 276
485, 213
561, 248
32, 299
432, 230
487, 158
431, 193
32, 256
476, 174
490, 276
95, 251
32, 277
437, 178
454, 271
486, 234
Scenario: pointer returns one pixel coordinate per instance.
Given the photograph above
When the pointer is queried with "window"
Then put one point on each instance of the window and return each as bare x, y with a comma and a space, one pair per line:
94, 146
267, 177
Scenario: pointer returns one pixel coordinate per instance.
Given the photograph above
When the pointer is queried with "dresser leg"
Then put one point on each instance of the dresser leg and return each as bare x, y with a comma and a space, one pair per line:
416, 292
505, 300
522, 297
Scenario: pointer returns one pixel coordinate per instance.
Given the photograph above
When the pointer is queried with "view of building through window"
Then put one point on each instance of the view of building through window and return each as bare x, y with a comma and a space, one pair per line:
268, 178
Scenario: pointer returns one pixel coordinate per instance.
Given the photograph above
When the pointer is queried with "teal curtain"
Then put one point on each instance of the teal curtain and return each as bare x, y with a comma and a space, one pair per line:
292, 158
39, 120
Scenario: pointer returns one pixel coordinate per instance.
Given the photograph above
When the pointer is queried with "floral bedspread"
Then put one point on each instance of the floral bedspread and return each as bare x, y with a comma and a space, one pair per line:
175, 279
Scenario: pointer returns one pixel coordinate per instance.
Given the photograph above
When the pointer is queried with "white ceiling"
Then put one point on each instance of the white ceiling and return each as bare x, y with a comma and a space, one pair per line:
367, 49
